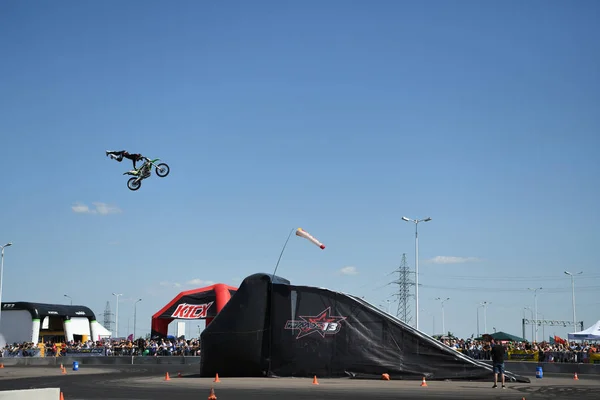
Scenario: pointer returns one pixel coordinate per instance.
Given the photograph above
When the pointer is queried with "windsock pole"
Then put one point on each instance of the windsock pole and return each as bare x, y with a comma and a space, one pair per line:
301, 233
281, 254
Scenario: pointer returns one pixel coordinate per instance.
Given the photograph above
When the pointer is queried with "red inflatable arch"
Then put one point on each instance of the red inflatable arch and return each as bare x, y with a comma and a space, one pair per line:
203, 303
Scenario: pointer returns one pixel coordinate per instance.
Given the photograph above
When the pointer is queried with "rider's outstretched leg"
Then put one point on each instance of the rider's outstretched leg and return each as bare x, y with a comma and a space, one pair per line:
115, 155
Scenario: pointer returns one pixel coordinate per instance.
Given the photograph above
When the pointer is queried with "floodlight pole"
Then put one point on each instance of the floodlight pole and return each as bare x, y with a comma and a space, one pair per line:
416, 221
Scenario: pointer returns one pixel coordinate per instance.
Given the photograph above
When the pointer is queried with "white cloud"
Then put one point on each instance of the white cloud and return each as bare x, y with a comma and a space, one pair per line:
99, 208
104, 209
170, 284
349, 271
199, 282
452, 260
80, 208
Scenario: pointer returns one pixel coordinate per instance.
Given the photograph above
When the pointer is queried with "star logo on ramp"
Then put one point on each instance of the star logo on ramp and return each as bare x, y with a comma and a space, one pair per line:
323, 324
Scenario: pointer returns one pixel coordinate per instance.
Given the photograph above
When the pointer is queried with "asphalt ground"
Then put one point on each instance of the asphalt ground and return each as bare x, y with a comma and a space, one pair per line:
148, 383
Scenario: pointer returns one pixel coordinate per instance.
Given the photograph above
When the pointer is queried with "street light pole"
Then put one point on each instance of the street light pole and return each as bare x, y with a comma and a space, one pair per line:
530, 310
416, 221
70, 298
481, 305
117, 314
484, 304
2, 274
573, 291
535, 311
135, 316
443, 316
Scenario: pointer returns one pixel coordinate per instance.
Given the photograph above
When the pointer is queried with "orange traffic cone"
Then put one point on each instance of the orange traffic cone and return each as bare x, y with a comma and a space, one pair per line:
423, 383
385, 377
1, 365
167, 377
61, 396
315, 381
61, 366
212, 395
179, 374
575, 377
217, 378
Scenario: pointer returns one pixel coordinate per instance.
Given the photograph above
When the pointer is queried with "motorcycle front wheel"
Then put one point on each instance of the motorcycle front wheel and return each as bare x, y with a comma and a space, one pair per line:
162, 170
133, 185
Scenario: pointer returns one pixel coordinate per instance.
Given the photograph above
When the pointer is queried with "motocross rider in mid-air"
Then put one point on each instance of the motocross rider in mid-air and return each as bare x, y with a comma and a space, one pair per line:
120, 154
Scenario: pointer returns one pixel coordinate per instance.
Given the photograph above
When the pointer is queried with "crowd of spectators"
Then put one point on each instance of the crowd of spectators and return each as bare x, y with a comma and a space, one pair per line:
25, 349
546, 351
107, 347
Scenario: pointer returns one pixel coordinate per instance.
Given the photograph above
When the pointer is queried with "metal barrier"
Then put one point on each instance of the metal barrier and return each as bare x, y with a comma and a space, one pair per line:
537, 356
102, 352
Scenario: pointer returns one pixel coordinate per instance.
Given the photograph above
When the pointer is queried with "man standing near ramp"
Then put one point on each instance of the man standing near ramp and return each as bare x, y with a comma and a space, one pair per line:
498, 352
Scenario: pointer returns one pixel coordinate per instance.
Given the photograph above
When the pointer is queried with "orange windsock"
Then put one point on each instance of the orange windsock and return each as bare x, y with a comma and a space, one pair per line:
302, 233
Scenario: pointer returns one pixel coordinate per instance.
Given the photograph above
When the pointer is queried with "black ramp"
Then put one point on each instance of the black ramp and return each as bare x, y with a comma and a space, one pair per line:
316, 331
235, 342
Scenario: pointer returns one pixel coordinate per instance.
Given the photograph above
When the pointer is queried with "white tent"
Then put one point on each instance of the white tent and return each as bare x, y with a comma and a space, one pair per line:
100, 331
591, 333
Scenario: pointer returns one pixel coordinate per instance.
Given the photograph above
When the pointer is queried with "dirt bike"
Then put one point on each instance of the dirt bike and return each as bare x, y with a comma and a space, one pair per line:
145, 171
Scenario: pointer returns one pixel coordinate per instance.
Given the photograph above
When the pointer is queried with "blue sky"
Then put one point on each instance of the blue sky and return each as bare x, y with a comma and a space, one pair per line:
338, 117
